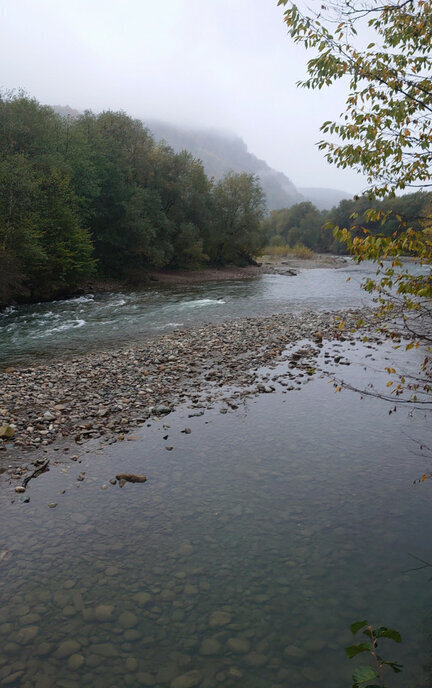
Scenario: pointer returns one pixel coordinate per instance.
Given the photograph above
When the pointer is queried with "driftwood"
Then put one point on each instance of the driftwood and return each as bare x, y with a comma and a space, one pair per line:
41, 468
131, 477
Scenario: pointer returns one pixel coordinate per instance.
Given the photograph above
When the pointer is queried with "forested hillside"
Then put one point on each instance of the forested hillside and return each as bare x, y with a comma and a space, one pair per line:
96, 195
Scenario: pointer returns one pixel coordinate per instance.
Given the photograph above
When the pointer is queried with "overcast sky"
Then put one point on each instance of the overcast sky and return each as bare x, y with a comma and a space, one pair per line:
214, 63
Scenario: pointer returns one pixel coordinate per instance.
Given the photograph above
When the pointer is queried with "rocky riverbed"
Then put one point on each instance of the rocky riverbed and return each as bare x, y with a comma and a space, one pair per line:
107, 394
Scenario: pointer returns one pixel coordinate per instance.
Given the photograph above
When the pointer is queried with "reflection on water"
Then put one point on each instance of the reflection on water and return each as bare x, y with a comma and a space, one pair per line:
241, 562
93, 321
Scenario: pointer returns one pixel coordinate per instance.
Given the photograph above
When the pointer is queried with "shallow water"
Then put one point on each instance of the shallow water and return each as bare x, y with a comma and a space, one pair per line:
94, 321
295, 515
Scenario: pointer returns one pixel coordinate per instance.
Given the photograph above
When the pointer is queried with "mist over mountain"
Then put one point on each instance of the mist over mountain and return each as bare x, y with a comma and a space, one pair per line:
221, 152
322, 198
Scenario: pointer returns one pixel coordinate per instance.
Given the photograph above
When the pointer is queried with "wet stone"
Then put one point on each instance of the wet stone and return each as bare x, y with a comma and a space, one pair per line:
209, 647
12, 679
239, 645
75, 662
219, 619
103, 612
142, 598
104, 649
127, 620
131, 664
189, 680
67, 648
27, 635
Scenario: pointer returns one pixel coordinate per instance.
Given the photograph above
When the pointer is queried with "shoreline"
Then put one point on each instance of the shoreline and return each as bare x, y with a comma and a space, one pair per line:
269, 266
105, 395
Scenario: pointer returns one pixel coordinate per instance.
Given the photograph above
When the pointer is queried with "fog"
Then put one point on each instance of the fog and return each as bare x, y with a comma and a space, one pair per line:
227, 64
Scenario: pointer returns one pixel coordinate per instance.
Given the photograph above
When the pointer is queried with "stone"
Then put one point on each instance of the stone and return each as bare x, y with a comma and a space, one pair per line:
27, 635
44, 649
52, 505
209, 647
294, 652
142, 598
145, 679
12, 678
131, 664
219, 618
20, 489
127, 620
238, 645
104, 649
131, 634
103, 612
67, 648
6, 432
75, 662
189, 680
312, 674
255, 659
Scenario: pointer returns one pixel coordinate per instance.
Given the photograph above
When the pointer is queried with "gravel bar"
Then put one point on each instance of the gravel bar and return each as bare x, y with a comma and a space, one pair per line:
106, 394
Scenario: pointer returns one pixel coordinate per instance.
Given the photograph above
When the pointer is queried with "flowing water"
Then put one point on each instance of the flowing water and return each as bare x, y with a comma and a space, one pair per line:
92, 321
242, 560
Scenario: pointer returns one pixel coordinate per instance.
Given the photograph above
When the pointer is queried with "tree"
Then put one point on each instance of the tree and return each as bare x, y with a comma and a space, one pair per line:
384, 51
238, 209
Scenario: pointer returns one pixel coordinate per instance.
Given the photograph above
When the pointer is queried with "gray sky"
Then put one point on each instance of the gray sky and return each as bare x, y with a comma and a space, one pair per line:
214, 63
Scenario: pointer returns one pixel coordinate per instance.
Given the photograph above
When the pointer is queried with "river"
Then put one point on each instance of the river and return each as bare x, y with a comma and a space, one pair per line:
253, 545
97, 321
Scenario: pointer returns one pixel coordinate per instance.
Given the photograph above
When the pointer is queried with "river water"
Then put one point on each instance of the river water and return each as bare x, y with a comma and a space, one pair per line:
242, 560
91, 321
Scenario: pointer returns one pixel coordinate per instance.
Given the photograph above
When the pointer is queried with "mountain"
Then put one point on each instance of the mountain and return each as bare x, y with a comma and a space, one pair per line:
221, 152
324, 199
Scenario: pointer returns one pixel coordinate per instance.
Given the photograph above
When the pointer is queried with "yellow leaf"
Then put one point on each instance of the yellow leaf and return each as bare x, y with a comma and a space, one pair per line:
389, 384
424, 477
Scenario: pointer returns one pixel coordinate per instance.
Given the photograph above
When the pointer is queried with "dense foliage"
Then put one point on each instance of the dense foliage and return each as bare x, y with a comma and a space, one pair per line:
383, 51
304, 224
95, 195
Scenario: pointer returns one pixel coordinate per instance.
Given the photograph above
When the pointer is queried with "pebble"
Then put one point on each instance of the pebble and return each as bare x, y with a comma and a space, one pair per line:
234, 347
209, 647
219, 618
75, 662
67, 648
240, 646
142, 598
127, 620
189, 680
103, 612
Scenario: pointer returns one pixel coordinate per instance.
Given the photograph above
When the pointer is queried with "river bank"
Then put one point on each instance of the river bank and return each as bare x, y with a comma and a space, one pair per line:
108, 393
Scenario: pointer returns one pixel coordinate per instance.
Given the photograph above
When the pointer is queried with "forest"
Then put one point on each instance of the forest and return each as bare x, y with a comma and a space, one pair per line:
303, 224
95, 196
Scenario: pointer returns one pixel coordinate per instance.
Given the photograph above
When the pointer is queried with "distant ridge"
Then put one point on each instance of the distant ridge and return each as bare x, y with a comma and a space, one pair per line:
324, 199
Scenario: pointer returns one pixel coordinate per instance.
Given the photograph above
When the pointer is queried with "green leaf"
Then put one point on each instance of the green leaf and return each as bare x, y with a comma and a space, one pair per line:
357, 625
354, 650
364, 673
384, 632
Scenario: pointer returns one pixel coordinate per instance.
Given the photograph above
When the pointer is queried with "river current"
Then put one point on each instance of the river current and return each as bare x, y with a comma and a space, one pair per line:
100, 320
255, 542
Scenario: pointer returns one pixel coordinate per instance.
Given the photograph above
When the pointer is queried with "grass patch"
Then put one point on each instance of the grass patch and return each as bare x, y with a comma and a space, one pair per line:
285, 251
